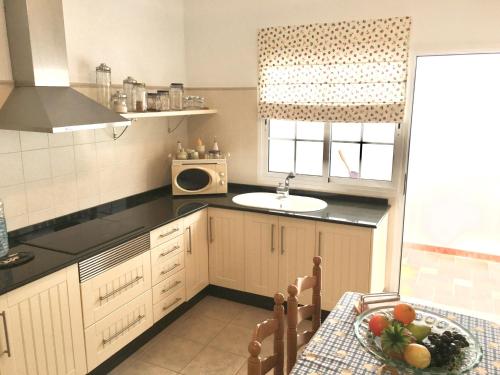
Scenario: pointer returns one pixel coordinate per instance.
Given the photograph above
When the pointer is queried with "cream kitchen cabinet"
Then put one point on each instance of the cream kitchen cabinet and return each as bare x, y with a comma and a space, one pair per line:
261, 254
353, 259
196, 252
44, 327
226, 248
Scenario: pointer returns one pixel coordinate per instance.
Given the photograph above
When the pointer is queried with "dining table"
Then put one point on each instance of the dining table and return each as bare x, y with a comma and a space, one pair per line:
335, 349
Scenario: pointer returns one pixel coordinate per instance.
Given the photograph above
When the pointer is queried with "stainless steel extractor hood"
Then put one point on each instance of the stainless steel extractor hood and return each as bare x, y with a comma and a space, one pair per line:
42, 100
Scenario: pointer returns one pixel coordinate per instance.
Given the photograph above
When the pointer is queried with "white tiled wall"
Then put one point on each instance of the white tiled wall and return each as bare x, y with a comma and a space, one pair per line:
43, 176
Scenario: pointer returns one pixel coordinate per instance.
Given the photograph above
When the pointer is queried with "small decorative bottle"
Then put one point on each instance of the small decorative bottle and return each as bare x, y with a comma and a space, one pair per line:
4, 240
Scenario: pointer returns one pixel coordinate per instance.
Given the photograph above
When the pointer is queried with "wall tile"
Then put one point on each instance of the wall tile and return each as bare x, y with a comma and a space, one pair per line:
104, 135
84, 136
60, 139
39, 216
64, 189
33, 141
105, 154
85, 157
87, 202
17, 222
87, 184
62, 160
36, 165
14, 199
9, 141
39, 195
11, 167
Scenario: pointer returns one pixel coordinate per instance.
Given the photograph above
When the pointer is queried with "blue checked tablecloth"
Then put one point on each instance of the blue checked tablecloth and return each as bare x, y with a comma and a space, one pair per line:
334, 349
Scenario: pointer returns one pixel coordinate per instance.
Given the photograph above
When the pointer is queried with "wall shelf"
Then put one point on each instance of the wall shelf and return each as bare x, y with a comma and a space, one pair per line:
186, 112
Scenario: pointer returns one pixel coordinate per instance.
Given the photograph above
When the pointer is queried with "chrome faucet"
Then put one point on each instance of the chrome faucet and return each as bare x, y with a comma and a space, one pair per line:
284, 190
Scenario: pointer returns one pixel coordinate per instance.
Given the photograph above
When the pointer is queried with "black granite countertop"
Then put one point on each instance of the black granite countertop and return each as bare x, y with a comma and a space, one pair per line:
67, 240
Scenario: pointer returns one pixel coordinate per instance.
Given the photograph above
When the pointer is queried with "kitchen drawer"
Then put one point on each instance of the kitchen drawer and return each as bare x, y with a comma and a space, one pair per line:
160, 271
112, 333
168, 304
169, 286
166, 232
166, 250
112, 289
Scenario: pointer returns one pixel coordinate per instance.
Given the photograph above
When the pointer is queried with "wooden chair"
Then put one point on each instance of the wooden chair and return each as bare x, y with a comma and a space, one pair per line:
276, 327
296, 314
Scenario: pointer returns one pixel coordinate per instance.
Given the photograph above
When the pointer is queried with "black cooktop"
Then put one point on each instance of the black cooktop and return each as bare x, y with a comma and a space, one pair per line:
90, 235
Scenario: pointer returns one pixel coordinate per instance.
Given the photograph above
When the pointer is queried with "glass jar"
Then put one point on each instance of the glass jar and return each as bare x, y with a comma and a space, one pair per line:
153, 102
176, 96
119, 101
128, 89
164, 98
188, 102
140, 98
199, 102
103, 81
4, 239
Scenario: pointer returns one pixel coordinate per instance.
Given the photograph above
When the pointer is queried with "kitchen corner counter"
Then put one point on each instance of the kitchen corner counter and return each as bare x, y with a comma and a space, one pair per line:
137, 215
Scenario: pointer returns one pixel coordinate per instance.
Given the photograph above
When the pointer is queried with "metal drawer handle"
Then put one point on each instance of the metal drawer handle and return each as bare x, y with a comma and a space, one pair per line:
126, 328
210, 229
171, 287
272, 238
169, 233
170, 251
170, 269
173, 303
119, 289
319, 243
7, 343
282, 240
190, 249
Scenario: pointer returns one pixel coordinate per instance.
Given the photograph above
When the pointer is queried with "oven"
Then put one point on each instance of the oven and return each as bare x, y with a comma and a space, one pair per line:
203, 176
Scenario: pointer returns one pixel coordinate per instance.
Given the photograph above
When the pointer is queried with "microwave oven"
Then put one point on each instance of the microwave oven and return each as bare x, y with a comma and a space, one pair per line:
199, 176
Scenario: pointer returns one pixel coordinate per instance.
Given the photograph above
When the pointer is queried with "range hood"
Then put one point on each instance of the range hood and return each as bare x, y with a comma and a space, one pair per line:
42, 100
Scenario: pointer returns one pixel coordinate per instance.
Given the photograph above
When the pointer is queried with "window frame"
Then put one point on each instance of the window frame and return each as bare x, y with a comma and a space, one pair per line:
341, 185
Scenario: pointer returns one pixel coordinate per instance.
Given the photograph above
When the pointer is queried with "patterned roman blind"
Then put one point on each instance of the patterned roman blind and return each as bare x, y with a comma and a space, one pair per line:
341, 72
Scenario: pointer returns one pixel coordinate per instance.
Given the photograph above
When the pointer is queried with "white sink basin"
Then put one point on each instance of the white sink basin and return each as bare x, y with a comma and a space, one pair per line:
273, 201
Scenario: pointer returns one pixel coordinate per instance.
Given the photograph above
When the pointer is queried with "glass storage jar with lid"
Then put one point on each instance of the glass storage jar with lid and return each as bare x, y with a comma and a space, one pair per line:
103, 81
140, 98
164, 98
128, 89
119, 100
176, 96
154, 103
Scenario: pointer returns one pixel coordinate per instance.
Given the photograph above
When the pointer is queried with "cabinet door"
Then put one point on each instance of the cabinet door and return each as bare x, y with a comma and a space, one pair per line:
346, 258
297, 250
45, 328
196, 253
226, 248
261, 254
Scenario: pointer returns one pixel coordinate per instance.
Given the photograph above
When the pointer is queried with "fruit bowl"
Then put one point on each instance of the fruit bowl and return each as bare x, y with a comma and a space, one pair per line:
469, 356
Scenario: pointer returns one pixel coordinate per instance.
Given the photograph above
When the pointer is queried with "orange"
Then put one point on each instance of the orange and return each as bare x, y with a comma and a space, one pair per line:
404, 313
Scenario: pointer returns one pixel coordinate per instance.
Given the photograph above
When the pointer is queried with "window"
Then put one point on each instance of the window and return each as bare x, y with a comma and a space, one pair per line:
337, 150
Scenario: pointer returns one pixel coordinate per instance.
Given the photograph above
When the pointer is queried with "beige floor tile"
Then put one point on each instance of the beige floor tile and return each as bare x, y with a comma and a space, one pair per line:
250, 316
216, 308
134, 366
168, 351
214, 362
197, 328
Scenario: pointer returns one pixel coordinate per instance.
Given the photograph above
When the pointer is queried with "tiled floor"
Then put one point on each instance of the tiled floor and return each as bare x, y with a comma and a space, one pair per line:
471, 285
210, 339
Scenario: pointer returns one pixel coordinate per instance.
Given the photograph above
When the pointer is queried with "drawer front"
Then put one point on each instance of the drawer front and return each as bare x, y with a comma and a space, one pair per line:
168, 304
160, 271
112, 333
169, 286
112, 289
166, 250
166, 233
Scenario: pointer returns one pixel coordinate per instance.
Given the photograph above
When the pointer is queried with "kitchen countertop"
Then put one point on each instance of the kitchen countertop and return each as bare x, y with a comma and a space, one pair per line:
140, 214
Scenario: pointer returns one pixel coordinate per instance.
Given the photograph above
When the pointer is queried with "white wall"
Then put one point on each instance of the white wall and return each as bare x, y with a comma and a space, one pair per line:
44, 176
221, 35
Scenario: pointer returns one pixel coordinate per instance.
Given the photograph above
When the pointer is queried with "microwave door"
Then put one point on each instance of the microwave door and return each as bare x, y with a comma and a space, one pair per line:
194, 179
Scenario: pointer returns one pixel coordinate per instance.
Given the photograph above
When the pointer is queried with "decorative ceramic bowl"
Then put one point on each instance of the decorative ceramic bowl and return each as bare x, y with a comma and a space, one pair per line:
471, 355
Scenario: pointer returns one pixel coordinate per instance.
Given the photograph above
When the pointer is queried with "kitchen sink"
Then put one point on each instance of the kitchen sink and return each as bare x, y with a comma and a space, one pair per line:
273, 201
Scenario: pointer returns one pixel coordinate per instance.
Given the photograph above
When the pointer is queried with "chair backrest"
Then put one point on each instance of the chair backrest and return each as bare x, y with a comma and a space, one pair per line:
274, 326
296, 314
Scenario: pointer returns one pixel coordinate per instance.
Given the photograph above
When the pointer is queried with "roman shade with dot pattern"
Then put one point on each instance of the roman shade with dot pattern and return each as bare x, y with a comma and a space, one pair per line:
352, 71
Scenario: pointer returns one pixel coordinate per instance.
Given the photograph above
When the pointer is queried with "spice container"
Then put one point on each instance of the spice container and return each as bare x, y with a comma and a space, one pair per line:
176, 96
128, 89
119, 101
164, 98
140, 98
152, 98
103, 81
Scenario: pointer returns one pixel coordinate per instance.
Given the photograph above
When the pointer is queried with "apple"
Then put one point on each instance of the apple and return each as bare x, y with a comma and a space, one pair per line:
378, 323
